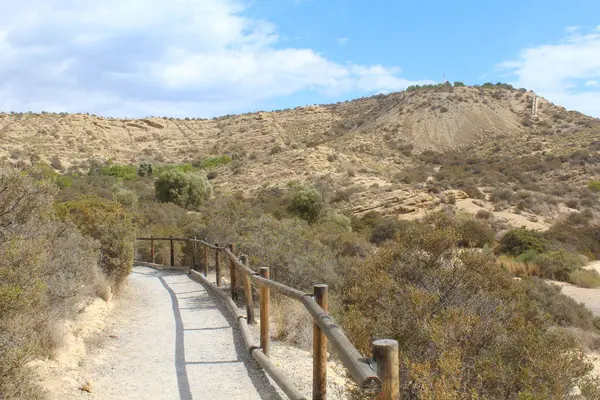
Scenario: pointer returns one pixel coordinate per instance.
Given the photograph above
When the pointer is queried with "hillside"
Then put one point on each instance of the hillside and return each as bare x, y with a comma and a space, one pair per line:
398, 153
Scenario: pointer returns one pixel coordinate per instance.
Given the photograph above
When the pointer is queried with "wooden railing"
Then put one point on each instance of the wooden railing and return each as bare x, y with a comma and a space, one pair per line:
379, 375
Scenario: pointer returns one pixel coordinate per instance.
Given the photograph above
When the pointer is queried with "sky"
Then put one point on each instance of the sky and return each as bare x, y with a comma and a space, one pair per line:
205, 58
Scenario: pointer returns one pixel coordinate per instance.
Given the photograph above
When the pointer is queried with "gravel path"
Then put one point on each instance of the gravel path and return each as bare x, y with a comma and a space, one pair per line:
173, 341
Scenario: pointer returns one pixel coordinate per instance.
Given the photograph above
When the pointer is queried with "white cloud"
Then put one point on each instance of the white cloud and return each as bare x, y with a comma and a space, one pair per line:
593, 82
343, 40
560, 71
153, 57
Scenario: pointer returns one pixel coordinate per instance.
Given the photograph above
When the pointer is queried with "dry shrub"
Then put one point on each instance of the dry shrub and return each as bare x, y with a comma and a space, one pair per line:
291, 322
462, 323
585, 278
46, 268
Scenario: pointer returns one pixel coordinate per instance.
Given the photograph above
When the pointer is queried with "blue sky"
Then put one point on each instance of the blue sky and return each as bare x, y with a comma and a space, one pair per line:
202, 58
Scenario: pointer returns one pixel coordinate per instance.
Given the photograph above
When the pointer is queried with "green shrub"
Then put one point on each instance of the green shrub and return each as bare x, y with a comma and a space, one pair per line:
520, 240
585, 278
107, 222
558, 264
145, 169
127, 172
183, 189
212, 162
594, 185
306, 203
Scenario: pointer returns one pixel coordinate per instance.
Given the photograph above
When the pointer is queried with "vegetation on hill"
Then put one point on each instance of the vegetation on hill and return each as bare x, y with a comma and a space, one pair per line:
315, 193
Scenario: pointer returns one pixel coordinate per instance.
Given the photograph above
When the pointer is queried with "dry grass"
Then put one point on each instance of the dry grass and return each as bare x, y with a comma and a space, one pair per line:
291, 322
517, 268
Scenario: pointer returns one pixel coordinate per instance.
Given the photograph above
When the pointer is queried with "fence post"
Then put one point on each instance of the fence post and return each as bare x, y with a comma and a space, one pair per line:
152, 249
205, 259
248, 292
195, 255
320, 348
264, 314
232, 276
217, 266
385, 353
172, 252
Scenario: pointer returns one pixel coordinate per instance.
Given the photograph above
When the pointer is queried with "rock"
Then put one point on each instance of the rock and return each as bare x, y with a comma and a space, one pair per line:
86, 387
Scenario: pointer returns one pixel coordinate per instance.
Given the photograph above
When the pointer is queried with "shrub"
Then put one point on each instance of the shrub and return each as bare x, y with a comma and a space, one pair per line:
386, 229
107, 222
594, 186
127, 172
474, 233
563, 310
183, 189
145, 169
558, 264
520, 240
306, 203
484, 214
461, 322
585, 278
46, 268
212, 162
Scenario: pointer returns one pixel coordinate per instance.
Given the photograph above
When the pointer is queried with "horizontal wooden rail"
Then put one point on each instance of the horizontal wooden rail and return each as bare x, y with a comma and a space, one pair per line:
360, 368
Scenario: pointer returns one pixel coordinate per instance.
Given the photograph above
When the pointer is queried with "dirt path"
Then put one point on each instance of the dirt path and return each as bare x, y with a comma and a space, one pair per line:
589, 297
173, 342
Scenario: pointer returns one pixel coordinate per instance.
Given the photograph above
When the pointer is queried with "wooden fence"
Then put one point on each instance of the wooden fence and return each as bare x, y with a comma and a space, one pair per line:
378, 376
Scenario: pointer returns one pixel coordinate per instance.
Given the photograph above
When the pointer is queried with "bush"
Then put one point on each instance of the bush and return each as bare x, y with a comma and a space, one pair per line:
594, 186
558, 264
107, 222
386, 229
462, 323
563, 310
474, 233
145, 169
484, 214
520, 240
212, 162
127, 172
46, 268
585, 278
306, 203
183, 189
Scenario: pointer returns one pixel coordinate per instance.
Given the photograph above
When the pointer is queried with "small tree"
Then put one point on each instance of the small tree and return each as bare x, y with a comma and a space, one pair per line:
184, 189
307, 203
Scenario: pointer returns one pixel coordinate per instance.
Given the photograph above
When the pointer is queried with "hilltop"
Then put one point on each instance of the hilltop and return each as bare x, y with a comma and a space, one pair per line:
401, 153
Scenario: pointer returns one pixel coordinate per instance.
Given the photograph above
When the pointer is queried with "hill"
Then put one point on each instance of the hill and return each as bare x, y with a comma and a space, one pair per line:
401, 153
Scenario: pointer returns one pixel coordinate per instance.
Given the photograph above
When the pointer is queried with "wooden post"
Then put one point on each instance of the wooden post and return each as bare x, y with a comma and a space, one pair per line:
264, 314
248, 292
205, 260
232, 276
152, 249
385, 353
194, 255
172, 252
217, 266
320, 348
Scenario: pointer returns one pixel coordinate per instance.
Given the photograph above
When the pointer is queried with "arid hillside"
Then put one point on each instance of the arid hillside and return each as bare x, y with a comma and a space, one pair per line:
402, 153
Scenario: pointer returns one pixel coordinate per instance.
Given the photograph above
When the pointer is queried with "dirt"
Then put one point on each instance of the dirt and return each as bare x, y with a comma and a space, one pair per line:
166, 337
